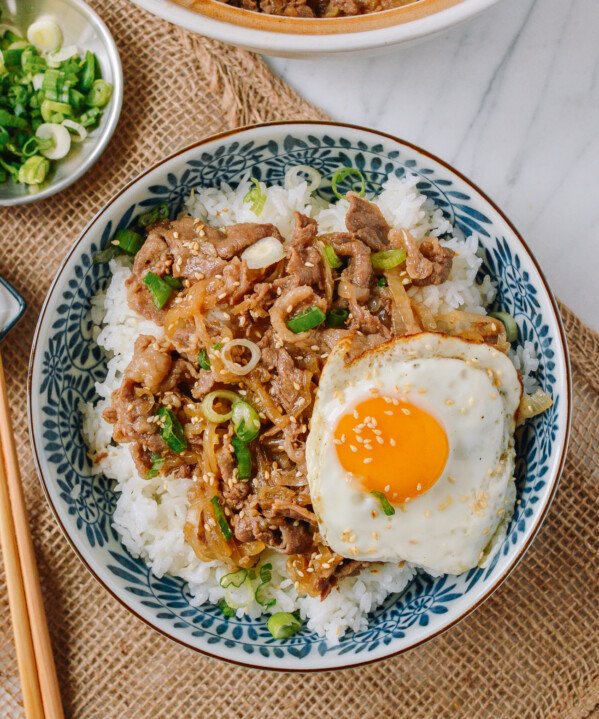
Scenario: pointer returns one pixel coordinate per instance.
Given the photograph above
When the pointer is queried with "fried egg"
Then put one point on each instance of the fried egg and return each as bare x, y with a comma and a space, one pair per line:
410, 453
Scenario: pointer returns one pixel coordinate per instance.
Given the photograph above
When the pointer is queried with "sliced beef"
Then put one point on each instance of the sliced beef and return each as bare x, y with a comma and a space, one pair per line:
153, 256
238, 237
149, 366
288, 382
441, 259
359, 270
289, 8
238, 280
284, 508
295, 443
182, 375
304, 263
367, 223
204, 384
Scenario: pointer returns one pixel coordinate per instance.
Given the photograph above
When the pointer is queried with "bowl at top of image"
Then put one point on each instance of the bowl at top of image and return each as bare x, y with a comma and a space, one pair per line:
66, 364
406, 22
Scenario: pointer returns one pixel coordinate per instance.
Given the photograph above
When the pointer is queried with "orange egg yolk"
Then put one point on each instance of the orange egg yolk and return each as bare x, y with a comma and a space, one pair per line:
392, 447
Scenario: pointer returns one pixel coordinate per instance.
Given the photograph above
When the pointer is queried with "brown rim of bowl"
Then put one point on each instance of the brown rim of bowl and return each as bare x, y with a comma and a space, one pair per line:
500, 580
253, 20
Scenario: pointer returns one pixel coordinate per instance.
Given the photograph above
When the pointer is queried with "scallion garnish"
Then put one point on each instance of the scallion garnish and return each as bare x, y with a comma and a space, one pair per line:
283, 625
203, 360
386, 505
337, 317
129, 241
172, 431
235, 579
159, 288
265, 579
332, 257
256, 198
244, 459
381, 282
511, 328
225, 608
306, 320
221, 520
388, 259
339, 176
150, 217
246, 421
157, 464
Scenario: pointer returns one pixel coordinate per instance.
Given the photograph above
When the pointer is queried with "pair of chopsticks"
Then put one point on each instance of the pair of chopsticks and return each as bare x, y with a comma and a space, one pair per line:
41, 695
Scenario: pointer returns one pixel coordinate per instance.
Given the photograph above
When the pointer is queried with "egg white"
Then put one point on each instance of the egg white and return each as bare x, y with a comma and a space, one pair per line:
473, 390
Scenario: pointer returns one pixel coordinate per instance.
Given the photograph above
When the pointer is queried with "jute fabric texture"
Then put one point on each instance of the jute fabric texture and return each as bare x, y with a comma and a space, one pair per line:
530, 651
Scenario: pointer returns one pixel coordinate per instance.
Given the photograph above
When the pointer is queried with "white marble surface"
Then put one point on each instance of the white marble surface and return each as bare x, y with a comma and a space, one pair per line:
512, 100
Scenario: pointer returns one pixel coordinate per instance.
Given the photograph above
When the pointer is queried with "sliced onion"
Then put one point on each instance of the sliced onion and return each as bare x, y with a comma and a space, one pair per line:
76, 127
263, 253
293, 177
534, 404
45, 35
208, 405
60, 137
235, 367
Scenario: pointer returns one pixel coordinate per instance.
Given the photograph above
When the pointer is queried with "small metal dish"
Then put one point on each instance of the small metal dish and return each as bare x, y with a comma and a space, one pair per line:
82, 27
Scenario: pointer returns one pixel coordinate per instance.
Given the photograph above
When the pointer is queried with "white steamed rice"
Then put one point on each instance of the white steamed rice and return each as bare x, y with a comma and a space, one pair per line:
150, 513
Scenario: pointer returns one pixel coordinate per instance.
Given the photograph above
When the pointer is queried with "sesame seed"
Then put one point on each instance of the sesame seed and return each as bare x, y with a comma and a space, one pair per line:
392, 442
405, 410
353, 448
387, 488
418, 487
367, 460
388, 412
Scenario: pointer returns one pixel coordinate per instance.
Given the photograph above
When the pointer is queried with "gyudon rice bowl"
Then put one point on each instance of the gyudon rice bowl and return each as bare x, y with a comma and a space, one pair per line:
306, 402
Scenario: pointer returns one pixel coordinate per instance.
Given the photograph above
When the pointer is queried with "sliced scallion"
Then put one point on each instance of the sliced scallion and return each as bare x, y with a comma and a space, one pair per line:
306, 320
34, 170
337, 317
283, 625
221, 520
100, 94
234, 578
386, 505
381, 282
160, 290
246, 421
243, 457
157, 464
129, 241
157, 213
261, 589
256, 198
208, 405
203, 360
388, 259
225, 608
172, 431
341, 175
511, 328
332, 257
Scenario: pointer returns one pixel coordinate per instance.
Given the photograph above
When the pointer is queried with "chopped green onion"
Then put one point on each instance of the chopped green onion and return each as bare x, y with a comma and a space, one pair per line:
157, 464
203, 360
244, 459
341, 175
388, 259
89, 72
256, 198
332, 257
246, 421
129, 241
208, 405
306, 320
381, 282
173, 282
105, 255
283, 625
511, 328
157, 213
100, 94
234, 578
9, 120
386, 505
172, 431
221, 520
337, 317
34, 170
265, 579
160, 290
55, 111
225, 608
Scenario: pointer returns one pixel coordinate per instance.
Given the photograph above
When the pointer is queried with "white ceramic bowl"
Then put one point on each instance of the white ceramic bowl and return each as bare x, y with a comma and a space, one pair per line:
82, 27
66, 362
296, 37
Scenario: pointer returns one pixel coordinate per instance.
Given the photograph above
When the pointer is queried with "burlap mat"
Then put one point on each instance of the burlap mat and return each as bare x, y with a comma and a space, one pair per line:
530, 651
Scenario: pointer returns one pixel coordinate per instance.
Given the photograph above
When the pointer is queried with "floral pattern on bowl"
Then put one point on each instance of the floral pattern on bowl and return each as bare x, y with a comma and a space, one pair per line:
66, 363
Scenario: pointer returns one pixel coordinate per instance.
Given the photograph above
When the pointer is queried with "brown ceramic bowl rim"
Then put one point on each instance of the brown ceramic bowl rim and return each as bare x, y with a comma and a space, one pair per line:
568, 382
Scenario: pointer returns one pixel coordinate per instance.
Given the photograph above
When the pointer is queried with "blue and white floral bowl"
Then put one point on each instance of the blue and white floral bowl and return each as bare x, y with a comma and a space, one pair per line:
65, 364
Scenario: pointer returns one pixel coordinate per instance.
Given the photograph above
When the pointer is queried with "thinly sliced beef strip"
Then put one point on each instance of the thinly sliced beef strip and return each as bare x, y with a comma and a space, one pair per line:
365, 220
